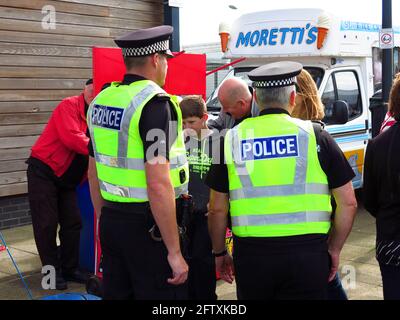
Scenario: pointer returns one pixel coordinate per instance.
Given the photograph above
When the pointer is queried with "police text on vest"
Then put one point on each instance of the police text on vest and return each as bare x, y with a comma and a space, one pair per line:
269, 148
107, 117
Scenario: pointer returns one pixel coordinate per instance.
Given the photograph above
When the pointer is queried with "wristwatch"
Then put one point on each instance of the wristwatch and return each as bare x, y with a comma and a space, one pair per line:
220, 254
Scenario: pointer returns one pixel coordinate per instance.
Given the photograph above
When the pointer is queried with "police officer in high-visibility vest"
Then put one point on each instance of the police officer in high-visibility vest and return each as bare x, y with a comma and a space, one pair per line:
138, 171
277, 180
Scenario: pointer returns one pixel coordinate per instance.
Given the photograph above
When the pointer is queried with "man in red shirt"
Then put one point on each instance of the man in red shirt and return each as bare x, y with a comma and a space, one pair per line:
57, 164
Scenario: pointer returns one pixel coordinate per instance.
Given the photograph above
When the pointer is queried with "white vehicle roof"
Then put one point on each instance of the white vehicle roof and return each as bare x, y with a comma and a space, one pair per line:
295, 32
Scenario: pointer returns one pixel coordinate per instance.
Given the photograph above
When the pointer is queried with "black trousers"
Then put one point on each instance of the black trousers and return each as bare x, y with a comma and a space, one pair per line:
52, 205
134, 265
391, 281
202, 276
290, 275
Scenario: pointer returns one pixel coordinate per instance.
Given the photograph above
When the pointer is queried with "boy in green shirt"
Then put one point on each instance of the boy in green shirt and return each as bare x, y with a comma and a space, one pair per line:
199, 146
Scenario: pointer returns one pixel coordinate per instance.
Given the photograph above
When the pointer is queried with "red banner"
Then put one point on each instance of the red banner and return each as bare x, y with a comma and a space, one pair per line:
186, 72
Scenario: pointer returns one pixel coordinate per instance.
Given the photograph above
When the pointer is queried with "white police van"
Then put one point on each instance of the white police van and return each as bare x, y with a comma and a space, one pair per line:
342, 56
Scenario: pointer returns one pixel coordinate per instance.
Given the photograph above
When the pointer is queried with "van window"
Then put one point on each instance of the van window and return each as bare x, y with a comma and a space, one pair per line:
342, 85
316, 73
377, 68
349, 91
328, 98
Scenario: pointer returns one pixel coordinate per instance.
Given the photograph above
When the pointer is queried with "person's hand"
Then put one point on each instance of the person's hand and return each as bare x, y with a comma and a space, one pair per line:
334, 263
179, 268
224, 266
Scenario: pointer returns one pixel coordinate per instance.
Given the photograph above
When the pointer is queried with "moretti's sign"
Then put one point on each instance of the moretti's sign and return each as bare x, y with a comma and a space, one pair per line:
278, 36
280, 33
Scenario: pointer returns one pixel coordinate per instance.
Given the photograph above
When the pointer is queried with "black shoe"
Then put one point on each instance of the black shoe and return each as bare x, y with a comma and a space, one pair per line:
76, 276
61, 284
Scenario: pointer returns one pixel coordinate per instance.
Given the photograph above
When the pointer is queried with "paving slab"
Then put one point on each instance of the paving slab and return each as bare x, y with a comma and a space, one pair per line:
361, 239
226, 291
15, 290
365, 291
25, 261
21, 238
358, 253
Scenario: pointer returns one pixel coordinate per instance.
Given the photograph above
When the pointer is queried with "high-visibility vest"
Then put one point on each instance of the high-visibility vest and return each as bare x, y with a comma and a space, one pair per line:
113, 120
276, 184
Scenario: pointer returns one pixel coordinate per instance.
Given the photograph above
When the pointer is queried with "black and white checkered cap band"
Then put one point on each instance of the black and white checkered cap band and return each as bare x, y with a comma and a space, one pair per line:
145, 51
275, 83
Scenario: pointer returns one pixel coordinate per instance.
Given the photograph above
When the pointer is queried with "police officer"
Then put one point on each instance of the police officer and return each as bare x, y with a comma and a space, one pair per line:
140, 171
278, 183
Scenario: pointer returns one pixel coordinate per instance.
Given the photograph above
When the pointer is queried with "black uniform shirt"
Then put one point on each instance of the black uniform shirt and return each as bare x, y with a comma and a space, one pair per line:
332, 160
157, 114
333, 163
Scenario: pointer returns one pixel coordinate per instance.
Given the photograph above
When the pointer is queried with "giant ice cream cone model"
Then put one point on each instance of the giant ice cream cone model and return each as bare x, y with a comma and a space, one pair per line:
224, 31
323, 25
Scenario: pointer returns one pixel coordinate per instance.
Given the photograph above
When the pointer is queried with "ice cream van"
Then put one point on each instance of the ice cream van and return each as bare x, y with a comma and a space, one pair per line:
342, 56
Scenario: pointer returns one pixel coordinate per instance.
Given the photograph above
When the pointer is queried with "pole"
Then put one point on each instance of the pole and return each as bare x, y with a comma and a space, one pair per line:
171, 18
387, 54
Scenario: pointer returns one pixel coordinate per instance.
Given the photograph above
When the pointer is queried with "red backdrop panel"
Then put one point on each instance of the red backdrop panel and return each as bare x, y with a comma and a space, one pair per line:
186, 75
186, 72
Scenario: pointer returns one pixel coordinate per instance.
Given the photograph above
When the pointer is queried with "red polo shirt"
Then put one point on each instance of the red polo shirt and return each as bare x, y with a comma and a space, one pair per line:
64, 135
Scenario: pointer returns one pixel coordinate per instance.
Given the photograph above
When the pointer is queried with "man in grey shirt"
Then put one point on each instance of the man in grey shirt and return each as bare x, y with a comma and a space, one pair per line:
237, 104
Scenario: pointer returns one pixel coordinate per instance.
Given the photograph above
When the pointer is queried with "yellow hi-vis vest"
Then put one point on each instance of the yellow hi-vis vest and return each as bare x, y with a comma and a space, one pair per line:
113, 120
276, 184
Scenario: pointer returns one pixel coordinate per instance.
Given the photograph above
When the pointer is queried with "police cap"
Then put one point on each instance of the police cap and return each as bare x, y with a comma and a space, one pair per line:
275, 75
145, 42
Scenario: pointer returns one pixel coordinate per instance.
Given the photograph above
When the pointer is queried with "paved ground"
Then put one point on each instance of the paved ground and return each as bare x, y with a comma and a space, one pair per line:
358, 255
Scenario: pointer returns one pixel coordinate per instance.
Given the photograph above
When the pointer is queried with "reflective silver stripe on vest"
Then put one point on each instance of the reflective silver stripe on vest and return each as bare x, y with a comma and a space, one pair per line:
136, 102
137, 193
283, 218
240, 165
183, 189
126, 192
300, 176
134, 164
178, 161
275, 191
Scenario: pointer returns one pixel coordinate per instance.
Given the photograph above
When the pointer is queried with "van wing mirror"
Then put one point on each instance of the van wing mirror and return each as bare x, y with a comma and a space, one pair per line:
340, 114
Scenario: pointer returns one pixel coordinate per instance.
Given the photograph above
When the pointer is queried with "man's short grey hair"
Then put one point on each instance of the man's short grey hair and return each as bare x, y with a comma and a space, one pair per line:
272, 97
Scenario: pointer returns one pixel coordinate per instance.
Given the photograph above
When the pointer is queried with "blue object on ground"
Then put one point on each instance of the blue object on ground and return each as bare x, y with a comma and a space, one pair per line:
71, 296
86, 248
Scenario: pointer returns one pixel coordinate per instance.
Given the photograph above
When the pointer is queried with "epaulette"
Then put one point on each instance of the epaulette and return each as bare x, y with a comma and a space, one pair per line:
318, 128
318, 125
163, 96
